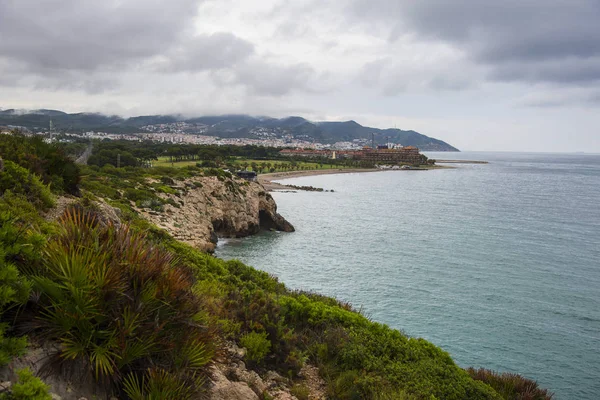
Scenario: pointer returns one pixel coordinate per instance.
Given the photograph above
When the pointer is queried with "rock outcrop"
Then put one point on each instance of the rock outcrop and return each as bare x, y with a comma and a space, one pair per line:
201, 210
37, 359
231, 380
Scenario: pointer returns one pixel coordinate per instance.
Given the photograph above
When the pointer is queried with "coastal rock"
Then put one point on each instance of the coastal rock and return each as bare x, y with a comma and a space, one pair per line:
282, 395
203, 209
61, 387
233, 378
105, 213
222, 388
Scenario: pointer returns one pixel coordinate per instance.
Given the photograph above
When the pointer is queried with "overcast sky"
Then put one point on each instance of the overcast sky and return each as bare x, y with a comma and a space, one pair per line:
479, 74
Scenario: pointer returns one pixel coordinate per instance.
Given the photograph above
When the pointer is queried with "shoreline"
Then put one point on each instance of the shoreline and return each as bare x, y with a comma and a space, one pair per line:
460, 162
267, 180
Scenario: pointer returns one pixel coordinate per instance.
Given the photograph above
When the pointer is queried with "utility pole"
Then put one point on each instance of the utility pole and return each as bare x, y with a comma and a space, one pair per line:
373, 140
119, 160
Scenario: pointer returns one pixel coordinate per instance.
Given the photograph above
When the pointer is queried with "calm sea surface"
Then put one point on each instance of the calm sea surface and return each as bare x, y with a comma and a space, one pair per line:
498, 264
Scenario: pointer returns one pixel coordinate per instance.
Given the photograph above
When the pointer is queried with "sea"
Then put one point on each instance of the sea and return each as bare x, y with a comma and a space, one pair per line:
498, 263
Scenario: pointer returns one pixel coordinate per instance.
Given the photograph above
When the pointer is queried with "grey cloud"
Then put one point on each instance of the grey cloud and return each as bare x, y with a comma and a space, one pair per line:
75, 81
87, 34
394, 77
203, 52
93, 46
571, 71
558, 99
272, 79
533, 33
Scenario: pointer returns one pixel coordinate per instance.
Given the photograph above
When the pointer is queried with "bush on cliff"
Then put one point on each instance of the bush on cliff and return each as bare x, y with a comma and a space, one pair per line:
18, 180
358, 358
120, 307
257, 345
29, 387
48, 161
511, 386
18, 245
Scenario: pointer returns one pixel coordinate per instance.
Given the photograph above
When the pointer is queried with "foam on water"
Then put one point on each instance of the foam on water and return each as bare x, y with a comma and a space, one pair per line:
499, 264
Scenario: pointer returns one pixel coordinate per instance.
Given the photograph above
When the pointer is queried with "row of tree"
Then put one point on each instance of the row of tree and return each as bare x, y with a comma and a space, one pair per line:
123, 153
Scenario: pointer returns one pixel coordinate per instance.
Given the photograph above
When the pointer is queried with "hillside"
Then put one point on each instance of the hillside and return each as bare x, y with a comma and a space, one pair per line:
116, 307
227, 126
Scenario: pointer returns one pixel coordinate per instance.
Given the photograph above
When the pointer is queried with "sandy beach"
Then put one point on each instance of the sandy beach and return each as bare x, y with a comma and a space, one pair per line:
267, 179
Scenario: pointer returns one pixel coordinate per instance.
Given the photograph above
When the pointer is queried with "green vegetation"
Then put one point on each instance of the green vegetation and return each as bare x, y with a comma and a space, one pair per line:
257, 345
134, 188
20, 181
117, 305
262, 166
510, 386
28, 387
301, 392
144, 315
49, 162
358, 358
255, 158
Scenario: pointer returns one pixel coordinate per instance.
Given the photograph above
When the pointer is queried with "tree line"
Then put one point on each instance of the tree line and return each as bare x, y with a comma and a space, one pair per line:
125, 153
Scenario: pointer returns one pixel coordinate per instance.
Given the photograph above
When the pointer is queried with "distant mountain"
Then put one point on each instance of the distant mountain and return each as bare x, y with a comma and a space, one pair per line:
229, 126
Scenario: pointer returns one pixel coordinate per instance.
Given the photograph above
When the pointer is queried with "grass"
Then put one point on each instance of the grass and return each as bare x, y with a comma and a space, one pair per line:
166, 162
240, 163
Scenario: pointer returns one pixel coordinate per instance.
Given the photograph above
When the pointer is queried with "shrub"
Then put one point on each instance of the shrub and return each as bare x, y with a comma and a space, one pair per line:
154, 204
136, 195
166, 180
157, 384
29, 387
301, 392
207, 164
165, 189
17, 244
144, 199
10, 347
118, 305
511, 386
20, 181
49, 161
257, 345
101, 189
357, 358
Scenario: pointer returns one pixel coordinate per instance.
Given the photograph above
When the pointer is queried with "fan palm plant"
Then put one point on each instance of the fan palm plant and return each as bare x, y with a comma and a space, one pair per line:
118, 305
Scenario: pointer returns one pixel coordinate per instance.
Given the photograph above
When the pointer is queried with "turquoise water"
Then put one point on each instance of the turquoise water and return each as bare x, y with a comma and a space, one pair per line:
499, 264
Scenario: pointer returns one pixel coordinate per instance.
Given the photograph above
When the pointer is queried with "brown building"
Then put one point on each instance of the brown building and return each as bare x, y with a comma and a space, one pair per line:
403, 155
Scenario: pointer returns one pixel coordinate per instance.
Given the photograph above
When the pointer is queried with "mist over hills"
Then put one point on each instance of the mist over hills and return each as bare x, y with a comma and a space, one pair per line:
227, 126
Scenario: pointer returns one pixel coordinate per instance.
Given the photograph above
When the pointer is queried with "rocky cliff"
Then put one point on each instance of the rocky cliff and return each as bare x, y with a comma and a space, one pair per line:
202, 209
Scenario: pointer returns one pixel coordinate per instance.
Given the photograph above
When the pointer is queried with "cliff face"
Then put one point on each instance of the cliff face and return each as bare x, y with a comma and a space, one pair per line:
201, 210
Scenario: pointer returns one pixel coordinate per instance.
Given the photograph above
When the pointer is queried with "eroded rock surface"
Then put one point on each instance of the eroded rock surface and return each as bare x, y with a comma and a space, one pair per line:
68, 385
222, 388
207, 208
232, 380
